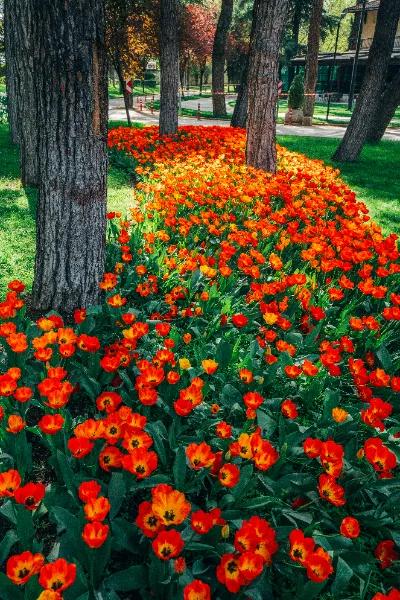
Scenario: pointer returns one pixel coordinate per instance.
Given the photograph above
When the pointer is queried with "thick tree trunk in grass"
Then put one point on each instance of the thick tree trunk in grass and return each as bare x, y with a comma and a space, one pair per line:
388, 103
71, 79
312, 61
369, 97
169, 67
218, 58
12, 34
269, 19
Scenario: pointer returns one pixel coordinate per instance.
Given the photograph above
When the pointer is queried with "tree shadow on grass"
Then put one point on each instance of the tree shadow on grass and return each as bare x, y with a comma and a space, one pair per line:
31, 194
10, 207
10, 192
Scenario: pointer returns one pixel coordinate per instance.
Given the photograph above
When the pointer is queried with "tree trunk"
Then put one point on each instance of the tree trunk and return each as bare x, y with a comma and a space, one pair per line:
182, 73
201, 77
28, 111
218, 58
188, 75
389, 101
13, 69
355, 25
71, 78
239, 117
377, 66
21, 57
169, 67
296, 22
268, 22
121, 79
312, 61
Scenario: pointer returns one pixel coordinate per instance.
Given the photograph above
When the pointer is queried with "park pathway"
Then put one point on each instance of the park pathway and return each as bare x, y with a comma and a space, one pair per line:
117, 113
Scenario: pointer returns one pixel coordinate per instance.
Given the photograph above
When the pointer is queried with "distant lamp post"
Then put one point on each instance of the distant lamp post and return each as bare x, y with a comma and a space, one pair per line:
355, 62
332, 67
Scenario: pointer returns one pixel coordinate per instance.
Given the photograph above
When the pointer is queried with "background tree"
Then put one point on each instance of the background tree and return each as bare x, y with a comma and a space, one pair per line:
299, 11
131, 38
269, 19
11, 7
239, 116
2, 67
22, 83
219, 57
388, 103
238, 40
312, 61
238, 46
71, 80
355, 25
371, 89
197, 30
169, 66
295, 37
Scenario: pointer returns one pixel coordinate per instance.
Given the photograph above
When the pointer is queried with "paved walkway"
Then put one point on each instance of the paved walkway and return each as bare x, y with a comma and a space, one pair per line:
206, 105
117, 113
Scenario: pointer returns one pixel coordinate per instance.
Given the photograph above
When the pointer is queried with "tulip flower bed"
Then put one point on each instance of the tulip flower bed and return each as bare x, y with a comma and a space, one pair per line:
226, 424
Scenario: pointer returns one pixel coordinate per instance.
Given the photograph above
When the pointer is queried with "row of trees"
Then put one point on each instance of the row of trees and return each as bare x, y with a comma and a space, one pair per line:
56, 54
57, 84
377, 100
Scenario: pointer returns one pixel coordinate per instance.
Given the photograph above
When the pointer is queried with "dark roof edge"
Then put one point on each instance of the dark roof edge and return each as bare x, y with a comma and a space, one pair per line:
374, 5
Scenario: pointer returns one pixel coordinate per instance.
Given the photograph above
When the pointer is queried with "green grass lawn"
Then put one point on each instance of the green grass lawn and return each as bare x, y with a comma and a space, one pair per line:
337, 109
336, 113
374, 177
17, 208
114, 91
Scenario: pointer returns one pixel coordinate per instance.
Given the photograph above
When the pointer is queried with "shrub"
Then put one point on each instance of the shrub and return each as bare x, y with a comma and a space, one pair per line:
296, 92
150, 79
227, 421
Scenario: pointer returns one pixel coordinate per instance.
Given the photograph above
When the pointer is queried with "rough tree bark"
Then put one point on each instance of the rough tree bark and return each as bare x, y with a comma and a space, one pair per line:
368, 99
28, 113
388, 103
71, 78
12, 70
269, 19
169, 67
312, 61
218, 58
239, 116
21, 56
